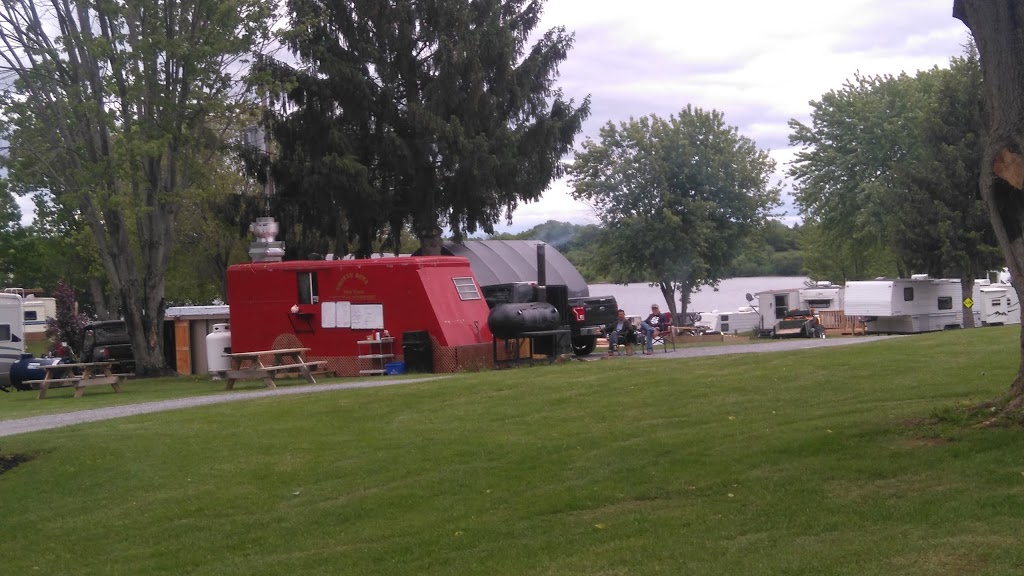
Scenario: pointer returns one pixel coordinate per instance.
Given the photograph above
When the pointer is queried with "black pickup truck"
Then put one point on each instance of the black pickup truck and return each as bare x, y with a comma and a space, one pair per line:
584, 315
108, 341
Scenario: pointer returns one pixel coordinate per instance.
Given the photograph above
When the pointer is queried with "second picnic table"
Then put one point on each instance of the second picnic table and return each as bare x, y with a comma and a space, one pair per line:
283, 362
79, 375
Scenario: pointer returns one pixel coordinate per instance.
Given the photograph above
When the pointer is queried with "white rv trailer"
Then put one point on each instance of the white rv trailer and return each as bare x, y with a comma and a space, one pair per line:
12, 343
995, 304
773, 304
37, 311
743, 319
906, 305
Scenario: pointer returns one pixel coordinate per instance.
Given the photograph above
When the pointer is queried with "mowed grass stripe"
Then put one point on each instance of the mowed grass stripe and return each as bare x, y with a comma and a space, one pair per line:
795, 463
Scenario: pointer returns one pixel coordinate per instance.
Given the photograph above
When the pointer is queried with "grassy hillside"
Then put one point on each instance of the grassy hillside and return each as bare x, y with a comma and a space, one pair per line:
815, 462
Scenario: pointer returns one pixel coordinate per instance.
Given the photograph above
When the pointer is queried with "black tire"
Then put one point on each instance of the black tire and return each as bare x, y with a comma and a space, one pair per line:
584, 345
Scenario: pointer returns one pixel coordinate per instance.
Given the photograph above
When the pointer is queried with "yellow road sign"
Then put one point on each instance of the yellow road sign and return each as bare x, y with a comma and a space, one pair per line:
968, 302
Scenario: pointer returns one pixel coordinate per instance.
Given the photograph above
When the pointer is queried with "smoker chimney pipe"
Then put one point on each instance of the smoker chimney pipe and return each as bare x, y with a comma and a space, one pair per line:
542, 272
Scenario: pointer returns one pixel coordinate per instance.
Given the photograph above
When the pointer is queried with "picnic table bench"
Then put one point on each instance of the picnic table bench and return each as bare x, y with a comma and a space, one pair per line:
79, 375
283, 363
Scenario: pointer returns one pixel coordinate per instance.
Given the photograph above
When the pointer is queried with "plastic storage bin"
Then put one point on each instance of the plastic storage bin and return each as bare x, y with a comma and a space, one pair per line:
393, 368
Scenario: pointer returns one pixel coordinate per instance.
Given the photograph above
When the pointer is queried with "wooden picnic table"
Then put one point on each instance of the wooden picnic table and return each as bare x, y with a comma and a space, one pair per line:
80, 375
283, 362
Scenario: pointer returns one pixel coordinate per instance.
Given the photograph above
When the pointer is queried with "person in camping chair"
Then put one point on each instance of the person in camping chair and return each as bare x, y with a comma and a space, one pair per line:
621, 330
655, 321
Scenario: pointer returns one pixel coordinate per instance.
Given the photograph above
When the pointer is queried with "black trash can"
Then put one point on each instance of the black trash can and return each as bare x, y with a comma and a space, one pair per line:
418, 352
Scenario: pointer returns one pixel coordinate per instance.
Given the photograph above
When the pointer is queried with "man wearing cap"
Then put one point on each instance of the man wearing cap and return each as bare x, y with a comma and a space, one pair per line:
652, 324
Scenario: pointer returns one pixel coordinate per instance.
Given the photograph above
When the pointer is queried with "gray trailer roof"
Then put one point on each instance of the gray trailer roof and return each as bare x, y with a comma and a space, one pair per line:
505, 261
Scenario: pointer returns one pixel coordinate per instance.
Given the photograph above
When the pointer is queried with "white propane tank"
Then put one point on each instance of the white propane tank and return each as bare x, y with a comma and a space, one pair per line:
217, 342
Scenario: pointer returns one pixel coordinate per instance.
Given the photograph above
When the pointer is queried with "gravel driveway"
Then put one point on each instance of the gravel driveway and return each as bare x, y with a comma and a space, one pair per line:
36, 423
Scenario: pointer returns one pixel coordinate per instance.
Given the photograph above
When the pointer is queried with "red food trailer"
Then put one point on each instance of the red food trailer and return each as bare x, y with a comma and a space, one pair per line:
337, 307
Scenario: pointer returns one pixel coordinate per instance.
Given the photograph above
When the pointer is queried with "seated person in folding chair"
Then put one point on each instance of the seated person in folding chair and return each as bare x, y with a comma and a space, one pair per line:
653, 326
621, 330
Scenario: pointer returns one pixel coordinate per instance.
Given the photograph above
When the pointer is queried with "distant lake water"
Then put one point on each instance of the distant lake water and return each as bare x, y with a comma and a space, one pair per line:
636, 299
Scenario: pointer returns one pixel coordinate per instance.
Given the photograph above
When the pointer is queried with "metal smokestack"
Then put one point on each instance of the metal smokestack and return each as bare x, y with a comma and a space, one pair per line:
542, 276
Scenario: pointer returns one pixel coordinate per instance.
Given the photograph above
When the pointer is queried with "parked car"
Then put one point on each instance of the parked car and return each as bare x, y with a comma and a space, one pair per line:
108, 341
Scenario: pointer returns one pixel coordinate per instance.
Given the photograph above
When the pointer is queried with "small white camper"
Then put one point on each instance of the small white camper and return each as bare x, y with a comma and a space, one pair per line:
906, 305
12, 343
995, 304
37, 310
773, 304
744, 319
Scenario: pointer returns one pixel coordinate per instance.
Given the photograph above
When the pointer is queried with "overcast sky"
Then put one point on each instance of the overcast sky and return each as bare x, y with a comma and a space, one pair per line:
758, 62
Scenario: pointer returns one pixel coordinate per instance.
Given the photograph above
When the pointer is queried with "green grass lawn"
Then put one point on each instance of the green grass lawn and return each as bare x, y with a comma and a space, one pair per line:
37, 348
794, 463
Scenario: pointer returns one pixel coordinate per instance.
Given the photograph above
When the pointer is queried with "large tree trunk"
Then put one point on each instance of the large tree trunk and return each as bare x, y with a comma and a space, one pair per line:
685, 291
99, 298
668, 290
998, 29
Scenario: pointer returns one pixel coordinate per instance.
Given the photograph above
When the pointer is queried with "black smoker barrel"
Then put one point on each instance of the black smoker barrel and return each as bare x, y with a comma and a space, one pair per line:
508, 321
418, 351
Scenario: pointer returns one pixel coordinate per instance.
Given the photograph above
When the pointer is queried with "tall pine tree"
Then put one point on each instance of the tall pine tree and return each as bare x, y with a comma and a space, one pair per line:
426, 113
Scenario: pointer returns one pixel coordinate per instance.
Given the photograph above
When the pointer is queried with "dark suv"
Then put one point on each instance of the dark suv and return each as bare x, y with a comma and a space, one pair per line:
108, 341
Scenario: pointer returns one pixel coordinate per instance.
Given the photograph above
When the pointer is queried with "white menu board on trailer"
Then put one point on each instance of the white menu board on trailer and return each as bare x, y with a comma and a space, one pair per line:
327, 315
343, 315
367, 316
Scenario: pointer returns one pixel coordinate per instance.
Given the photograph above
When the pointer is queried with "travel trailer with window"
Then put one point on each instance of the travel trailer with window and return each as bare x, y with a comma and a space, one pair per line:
744, 319
774, 304
995, 304
37, 310
12, 345
906, 305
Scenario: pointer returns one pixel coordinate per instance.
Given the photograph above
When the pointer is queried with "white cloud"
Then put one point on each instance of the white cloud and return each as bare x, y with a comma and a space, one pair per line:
760, 63
28, 209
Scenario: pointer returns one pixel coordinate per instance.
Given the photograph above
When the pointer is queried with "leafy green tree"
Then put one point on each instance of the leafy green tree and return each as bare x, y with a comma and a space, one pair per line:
828, 257
771, 250
116, 108
431, 113
35, 256
891, 162
942, 224
561, 236
844, 168
211, 235
678, 197
780, 237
